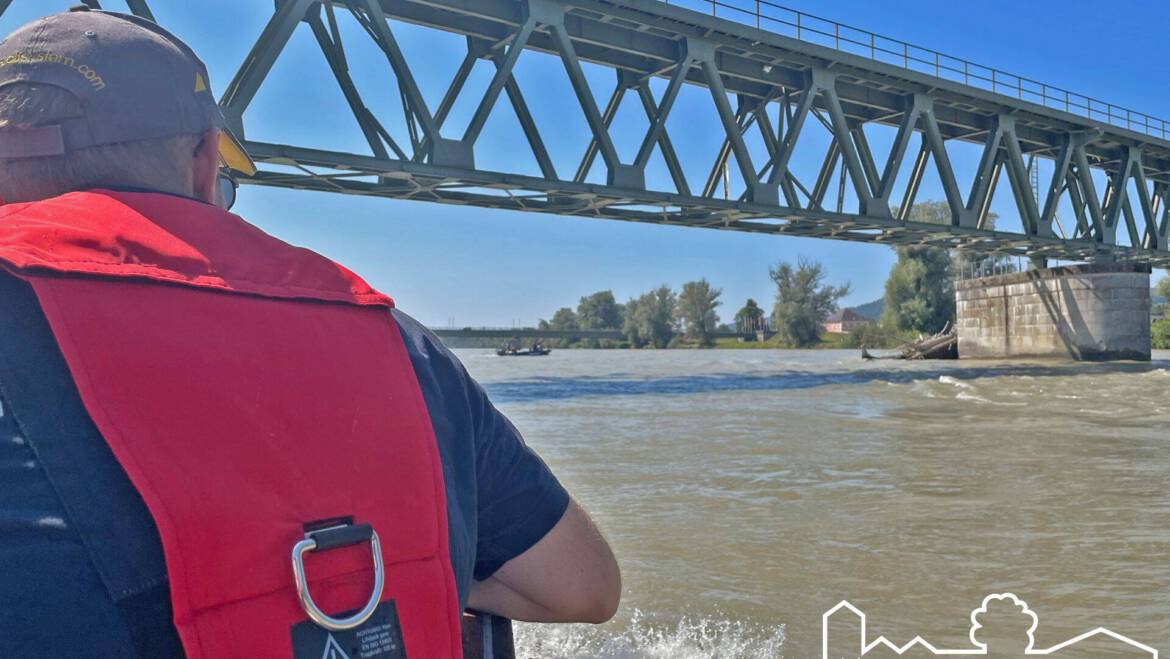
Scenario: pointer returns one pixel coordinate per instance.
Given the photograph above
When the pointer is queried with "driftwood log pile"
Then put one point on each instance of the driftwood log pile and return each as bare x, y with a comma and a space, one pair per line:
943, 345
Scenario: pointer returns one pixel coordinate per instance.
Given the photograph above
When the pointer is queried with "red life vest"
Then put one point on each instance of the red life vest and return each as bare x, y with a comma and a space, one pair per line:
253, 391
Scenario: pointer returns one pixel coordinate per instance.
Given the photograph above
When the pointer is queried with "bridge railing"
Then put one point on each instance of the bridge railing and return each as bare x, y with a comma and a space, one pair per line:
809, 28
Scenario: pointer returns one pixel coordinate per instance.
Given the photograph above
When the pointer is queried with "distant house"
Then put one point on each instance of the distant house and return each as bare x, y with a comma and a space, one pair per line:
845, 320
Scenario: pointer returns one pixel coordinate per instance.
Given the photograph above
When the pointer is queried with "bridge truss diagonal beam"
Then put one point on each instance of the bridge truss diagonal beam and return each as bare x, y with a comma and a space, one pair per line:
766, 75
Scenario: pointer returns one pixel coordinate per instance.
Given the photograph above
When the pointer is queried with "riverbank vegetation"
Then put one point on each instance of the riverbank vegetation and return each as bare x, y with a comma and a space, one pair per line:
663, 318
659, 318
1159, 323
1160, 334
803, 302
918, 300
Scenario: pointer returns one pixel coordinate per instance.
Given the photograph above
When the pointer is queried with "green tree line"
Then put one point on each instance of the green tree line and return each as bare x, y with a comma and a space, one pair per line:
658, 318
919, 299
663, 317
1160, 325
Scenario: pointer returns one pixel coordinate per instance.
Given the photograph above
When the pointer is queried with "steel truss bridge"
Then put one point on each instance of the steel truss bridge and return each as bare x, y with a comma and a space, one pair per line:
768, 89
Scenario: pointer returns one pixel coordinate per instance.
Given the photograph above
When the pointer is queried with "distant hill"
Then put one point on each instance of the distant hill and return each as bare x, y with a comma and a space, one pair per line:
872, 310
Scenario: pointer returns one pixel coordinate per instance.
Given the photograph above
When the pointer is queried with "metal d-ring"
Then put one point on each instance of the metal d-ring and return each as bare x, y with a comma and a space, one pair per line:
324, 540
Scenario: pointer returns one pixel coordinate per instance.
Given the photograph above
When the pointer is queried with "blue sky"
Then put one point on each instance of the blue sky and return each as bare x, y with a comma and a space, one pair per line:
489, 267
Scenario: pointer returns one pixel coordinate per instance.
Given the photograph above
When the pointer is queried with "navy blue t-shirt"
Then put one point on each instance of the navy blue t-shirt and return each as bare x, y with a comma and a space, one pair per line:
81, 563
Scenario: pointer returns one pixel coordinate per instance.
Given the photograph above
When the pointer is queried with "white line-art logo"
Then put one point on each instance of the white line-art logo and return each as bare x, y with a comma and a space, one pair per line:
333, 650
1025, 622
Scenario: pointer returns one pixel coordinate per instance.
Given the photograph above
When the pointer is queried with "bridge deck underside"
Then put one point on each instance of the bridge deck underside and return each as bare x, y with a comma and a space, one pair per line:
1115, 179
423, 182
766, 75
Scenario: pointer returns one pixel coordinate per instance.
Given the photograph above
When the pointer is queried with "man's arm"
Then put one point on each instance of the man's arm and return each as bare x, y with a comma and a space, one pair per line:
569, 575
536, 554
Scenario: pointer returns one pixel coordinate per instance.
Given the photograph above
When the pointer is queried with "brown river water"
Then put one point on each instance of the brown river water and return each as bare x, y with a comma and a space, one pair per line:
746, 492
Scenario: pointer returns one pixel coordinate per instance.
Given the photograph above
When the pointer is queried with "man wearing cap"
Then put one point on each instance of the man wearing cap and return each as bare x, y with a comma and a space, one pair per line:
212, 443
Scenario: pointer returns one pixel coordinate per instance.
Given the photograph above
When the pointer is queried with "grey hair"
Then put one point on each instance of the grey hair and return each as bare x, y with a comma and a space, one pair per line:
163, 165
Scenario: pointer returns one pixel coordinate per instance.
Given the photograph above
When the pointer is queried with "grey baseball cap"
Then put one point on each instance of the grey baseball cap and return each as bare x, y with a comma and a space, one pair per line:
134, 80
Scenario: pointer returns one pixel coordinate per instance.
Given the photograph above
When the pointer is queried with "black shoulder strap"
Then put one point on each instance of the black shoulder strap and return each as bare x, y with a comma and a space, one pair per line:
102, 504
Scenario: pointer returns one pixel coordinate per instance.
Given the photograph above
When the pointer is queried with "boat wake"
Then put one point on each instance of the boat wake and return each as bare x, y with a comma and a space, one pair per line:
688, 638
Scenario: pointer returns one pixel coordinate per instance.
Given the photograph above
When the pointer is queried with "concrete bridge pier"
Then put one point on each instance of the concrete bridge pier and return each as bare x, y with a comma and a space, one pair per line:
1094, 312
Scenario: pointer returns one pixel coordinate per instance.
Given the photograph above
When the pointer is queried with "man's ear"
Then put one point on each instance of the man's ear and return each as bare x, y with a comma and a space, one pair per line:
205, 168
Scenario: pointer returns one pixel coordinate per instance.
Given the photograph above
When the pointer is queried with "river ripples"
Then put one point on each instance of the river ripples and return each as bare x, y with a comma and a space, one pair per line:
747, 492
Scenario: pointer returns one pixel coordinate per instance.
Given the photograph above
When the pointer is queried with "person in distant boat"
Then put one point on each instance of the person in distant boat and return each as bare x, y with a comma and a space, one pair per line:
215, 444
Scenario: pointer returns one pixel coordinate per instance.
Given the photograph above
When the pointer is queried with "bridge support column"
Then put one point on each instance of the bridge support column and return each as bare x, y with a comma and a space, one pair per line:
1095, 312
